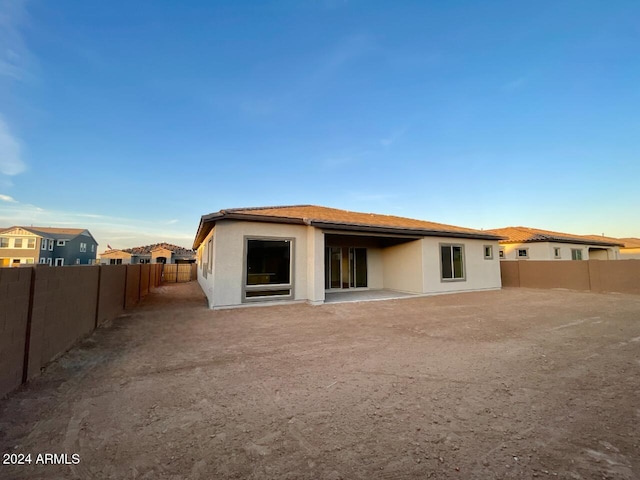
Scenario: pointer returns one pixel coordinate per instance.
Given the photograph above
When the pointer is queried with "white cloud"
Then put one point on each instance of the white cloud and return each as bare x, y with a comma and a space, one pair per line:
7, 198
14, 55
11, 162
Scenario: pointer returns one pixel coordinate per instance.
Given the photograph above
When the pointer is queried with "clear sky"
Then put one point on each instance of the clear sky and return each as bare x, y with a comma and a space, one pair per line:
134, 118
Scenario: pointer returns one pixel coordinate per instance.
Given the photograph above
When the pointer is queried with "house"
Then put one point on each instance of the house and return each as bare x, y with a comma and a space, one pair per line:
302, 252
630, 248
21, 245
156, 253
524, 243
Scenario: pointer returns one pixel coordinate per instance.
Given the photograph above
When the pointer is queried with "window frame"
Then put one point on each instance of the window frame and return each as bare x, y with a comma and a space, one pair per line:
484, 251
464, 262
575, 251
83, 247
51, 245
43, 244
18, 239
526, 253
268, 287
60, 243
31, 241
502, 254
557, 253
4, 239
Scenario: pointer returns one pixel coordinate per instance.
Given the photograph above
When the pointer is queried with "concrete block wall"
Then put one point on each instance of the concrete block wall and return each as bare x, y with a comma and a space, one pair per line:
44, 310
145, 272
15, 285
620, 276
64, 310
132, 290
111, 296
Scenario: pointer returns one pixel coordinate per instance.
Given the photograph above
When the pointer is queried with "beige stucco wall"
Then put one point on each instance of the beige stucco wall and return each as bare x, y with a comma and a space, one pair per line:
630, 253
403, 267
546, 250
124, 256
480, 273
228, 274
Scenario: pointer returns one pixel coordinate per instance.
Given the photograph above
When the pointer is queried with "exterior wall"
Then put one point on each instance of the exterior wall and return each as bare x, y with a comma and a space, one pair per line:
546, 251
375, 268
15, 285
71, 251
315, 265
228, 274
402, 267
630, 253
480, 273
24, 255
162, 252
206, 263
105, 258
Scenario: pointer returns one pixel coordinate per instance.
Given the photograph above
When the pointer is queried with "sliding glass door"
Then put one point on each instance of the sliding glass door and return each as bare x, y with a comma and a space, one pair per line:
345, 267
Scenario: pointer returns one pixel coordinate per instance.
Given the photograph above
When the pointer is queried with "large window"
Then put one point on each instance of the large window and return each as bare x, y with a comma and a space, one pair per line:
268, 268
4, 242
576, 254
452, 262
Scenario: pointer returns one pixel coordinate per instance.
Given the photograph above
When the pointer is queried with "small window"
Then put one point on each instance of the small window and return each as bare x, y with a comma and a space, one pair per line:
17, 243
60, 243
43, 260
83, 247
49, 261
576, 254
488, 252
452, 262
29, 261
51, 244
31, 243
93, 248
59, 262
43, 245
501, 253
4, 242
77, 261
523, 253
556, 252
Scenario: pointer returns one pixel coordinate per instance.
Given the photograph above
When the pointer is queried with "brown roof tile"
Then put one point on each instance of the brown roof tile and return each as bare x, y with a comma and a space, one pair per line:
527, 235
319, 216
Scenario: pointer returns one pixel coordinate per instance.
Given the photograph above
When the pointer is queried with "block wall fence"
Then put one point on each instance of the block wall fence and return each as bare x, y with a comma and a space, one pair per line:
44, 310
620, 276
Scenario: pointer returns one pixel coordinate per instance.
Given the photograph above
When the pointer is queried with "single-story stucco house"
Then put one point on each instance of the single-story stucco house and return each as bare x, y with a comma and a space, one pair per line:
299, 253
524, 243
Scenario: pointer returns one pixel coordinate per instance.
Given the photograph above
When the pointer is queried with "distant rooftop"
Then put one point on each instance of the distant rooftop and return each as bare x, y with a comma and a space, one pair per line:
529, 235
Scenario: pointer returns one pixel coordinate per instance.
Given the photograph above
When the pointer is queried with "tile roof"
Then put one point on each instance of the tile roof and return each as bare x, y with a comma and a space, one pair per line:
528, 235
147, 249
333, 218
630, 242
53, 232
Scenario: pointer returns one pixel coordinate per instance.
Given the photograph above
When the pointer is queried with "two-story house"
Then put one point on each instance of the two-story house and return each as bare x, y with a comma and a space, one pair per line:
21, 245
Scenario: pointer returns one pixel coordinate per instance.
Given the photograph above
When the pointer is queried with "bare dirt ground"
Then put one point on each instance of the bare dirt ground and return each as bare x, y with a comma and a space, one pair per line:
506, 384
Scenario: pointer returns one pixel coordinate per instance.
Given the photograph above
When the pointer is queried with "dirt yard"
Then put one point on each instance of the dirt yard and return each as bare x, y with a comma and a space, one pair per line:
506, 384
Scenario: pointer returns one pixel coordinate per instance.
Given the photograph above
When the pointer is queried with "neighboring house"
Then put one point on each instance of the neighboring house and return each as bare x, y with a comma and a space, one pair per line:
523, 243
156, 253
631, 248
45, 245
300, 252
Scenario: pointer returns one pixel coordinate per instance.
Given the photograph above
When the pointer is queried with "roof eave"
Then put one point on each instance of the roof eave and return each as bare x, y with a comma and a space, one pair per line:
403, 230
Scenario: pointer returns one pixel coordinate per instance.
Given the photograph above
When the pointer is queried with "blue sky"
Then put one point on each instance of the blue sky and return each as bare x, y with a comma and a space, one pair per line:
133, 119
